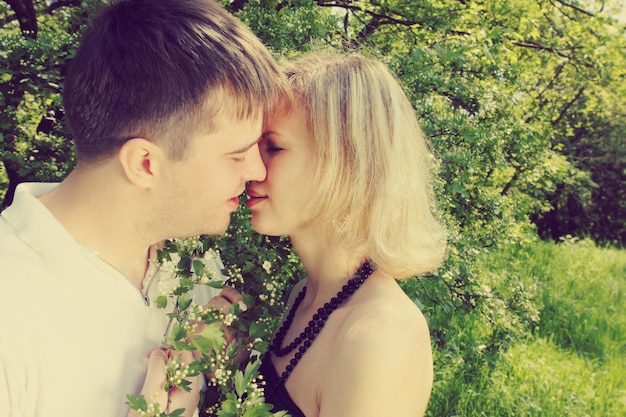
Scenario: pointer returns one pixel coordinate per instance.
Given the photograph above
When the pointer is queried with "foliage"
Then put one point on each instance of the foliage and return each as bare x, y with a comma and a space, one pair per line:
232, 391
587, 127
263, 269
34, 142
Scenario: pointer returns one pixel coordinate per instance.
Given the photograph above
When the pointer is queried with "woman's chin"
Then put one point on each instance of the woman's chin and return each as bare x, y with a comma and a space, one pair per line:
263, 229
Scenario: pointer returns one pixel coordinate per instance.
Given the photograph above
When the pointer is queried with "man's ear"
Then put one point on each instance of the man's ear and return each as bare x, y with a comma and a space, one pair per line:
141, 160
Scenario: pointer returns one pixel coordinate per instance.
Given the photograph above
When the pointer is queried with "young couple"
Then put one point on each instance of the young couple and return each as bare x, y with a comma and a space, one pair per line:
175, 106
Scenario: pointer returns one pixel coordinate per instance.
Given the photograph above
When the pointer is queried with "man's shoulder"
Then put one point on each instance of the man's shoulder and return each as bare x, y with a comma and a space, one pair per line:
12, 248
20, 265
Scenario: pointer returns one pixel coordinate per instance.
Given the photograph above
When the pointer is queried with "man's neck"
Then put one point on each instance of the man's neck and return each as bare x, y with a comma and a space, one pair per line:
95, 211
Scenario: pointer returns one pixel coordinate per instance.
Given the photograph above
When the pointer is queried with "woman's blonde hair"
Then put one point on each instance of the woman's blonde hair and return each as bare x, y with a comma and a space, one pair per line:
375, 168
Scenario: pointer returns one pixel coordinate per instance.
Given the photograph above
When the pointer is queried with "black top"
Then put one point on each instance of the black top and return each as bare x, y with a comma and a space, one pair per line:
275, 392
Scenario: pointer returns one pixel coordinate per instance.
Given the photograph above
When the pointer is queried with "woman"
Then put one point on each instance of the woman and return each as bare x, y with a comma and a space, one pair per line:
349, 179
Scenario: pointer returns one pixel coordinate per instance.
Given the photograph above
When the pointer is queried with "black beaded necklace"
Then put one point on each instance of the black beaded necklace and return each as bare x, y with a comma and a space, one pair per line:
315, 325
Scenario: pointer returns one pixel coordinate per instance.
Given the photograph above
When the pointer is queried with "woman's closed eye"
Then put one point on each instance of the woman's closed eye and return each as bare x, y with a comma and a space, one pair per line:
274, 149
271, 147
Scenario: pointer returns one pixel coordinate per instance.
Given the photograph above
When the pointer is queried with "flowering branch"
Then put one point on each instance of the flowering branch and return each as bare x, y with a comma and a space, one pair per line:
185, 265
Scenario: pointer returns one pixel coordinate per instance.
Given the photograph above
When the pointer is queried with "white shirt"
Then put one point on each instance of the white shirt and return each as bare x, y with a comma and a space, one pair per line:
74, 332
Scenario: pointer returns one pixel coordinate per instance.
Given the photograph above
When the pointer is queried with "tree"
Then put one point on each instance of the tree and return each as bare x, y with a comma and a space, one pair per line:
37, 41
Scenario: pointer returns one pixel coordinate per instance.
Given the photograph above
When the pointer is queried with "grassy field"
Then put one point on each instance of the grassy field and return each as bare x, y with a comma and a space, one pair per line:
563, 349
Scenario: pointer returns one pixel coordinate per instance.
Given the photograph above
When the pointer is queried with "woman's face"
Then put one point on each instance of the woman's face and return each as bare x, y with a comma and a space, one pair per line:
282, 203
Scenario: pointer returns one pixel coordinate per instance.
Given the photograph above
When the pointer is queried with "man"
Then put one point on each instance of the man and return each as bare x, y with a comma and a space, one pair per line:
165, 101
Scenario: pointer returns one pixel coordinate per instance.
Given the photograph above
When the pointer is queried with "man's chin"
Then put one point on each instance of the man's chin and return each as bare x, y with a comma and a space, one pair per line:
217, 228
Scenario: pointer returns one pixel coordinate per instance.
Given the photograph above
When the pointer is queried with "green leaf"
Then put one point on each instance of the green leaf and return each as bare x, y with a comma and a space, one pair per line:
214, 333
198, 267
178, 332
229, 407
161, 301
184, 301
255, 412
240, 383
253, 366
215, 284
137, 403
180, 345
176, 413
248, 300
203, 344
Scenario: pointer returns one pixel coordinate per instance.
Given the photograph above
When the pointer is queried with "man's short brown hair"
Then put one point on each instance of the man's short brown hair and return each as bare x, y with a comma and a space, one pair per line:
160, 70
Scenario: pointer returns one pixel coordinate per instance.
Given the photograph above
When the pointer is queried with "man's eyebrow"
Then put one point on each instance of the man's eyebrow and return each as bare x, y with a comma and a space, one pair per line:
245, 148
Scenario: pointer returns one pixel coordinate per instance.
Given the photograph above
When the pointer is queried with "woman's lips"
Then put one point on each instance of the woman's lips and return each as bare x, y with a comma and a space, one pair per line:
253, 201
254, 198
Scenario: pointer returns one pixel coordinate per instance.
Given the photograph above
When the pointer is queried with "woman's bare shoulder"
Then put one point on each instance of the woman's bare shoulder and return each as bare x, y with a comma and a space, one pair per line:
382, 354
384, 309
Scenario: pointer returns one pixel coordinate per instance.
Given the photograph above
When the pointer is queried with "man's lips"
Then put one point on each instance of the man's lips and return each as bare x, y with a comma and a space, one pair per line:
235, 199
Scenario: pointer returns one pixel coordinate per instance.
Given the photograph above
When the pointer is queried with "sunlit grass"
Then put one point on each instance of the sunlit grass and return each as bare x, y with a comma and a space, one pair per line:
539, 379
570, 360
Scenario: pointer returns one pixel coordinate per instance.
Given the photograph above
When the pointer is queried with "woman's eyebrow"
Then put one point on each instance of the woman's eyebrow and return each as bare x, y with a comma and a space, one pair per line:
269, 132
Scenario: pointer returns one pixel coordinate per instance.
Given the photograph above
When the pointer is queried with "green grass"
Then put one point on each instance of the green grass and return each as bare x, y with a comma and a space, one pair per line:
560, 314
536, 378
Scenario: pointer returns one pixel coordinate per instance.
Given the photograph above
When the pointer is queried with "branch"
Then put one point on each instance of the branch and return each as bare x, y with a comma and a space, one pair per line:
25, 15
378, 19
540, 100
385, 17
237, 5
54, 6
568, 105
62, 3
511, 182
536, 45
578, 9
471, 107
431, 299
571, 58
14, 178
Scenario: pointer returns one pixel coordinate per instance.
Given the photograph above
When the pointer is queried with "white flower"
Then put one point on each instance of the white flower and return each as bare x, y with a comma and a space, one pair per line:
167, 279
267, 265
210, 254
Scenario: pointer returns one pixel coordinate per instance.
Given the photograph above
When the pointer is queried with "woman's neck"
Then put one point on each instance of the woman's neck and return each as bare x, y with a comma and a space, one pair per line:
328, 268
